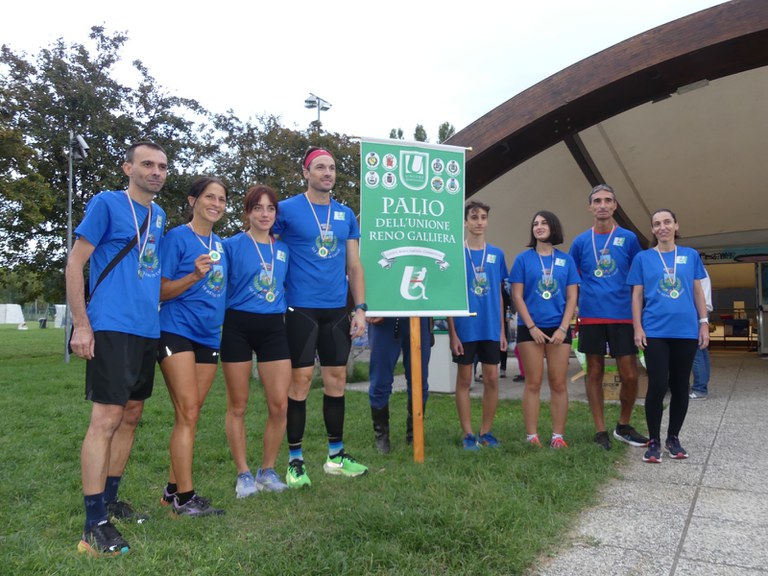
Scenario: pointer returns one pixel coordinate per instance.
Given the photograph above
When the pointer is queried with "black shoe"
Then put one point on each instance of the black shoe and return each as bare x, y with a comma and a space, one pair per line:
119, 510
380, 417
103, 539
675, 450
602, 440
518, 378
629, 435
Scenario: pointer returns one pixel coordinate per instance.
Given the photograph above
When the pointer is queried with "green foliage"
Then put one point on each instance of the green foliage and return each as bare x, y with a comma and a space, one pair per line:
69, 87
445, 131
492, 512
396, 133
420, 134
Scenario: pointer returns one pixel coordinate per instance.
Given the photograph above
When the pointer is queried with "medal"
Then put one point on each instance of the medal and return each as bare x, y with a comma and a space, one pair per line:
214, 255
546, 294
270, 297
322, 251
598, 273
674, 294
141, 247
478, 290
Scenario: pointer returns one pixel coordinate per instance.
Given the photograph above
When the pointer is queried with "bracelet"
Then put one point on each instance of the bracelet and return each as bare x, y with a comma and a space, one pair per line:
564, 330
703, 320
531, 327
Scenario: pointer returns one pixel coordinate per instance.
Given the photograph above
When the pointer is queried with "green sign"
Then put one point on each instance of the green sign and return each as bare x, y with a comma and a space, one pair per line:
412, 228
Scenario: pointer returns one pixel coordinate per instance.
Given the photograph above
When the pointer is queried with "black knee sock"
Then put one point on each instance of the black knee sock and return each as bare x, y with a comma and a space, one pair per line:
333, 414
297, 419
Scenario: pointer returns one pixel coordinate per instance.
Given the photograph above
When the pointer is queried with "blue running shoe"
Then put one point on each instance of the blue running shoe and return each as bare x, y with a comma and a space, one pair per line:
195, 508
470, 443
488, 440
268, 481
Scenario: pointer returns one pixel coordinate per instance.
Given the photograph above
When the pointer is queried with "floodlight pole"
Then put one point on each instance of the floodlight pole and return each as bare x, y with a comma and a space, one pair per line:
313, 101
67, 317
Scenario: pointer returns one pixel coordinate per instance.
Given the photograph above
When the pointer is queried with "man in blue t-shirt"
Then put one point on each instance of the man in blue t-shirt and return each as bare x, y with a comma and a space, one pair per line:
322, 236
484, 334
116, 331
603, 255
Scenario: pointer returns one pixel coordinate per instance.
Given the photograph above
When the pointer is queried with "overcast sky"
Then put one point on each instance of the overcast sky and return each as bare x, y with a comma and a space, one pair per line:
380, 64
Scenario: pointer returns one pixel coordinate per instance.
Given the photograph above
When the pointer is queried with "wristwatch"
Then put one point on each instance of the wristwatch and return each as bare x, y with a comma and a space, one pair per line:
363, 307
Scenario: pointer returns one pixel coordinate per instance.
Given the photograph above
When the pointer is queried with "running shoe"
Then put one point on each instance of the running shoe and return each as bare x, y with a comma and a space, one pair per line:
195, 507
697, 396
246, 485
625, 433
557, 443
119, 510
296, 477
268, 481
469, 442
167, 498
344, 465
518, 378
676, 451
502, 373
653, 454
535, 442
103, 539
489, 440
603, 440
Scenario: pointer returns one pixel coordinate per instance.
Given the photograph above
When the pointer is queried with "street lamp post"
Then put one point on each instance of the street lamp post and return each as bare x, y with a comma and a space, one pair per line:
78, 150
313, 101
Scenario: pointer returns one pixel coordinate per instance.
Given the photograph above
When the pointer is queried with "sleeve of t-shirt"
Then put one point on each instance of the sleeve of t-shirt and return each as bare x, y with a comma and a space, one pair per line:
634, 248
698, 271
575, 253
279, 226
517, 276
635, 276
573, 273
354, 228
95, 222
170, 256
504, 269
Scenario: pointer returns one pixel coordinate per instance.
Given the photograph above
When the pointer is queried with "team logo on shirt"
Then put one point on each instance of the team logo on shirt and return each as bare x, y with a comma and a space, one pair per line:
606, 264
328, 241
149, 265
214, 285
264, 282
669, 286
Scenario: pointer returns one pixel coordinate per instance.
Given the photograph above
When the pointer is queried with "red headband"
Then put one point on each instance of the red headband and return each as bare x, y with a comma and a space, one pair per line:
314, 154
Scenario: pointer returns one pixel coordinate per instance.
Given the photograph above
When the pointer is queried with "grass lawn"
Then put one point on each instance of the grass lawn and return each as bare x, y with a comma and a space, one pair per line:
491, 512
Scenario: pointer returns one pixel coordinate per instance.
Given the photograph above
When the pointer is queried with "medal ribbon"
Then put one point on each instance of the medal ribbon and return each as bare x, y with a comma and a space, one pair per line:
666, 270
327, 222
138, 231
271, 269
594, 247
547, 278
210, 238
482, 261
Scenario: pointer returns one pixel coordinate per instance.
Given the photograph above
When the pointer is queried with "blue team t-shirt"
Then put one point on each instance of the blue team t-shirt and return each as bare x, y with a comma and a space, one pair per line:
250, 281
316, 281
605, 297
484, 289
544, 291
198, 312
663, 315
127, 299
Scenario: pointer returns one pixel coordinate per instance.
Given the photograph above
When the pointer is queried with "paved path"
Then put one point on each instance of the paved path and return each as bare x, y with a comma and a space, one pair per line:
707, 515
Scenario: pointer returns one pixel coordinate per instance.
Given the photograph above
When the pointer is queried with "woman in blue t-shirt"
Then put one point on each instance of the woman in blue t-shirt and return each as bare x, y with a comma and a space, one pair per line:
669, 315
254, 323
192, 295
544, 290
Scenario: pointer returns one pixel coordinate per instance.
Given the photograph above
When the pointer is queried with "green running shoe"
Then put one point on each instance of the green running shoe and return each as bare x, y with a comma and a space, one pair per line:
344, 465
297, 477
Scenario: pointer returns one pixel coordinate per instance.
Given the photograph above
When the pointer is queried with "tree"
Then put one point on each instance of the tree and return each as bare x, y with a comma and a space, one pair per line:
63, 88
419, 134
445, 131
396, 133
